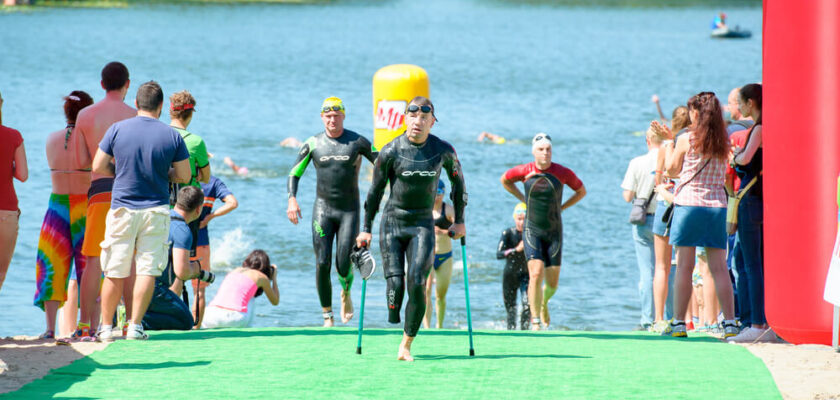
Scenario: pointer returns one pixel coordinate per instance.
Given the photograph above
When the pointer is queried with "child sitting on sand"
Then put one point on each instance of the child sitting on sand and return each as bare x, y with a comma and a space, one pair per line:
232, 308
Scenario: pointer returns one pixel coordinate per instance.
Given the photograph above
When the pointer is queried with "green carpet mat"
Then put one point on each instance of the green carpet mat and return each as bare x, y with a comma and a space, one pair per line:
314, 363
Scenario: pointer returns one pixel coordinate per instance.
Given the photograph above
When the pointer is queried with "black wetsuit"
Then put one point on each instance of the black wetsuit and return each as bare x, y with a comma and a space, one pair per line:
335, 215
407, 230
514, 278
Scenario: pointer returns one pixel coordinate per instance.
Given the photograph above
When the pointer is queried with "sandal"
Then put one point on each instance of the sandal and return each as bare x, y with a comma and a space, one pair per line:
47, 335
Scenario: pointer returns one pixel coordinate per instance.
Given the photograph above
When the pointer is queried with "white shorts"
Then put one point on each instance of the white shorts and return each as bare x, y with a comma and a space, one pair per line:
216, 317
138, 235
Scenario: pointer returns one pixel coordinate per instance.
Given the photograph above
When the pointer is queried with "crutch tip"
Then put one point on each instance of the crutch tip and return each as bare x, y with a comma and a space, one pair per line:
472, 353
358, 350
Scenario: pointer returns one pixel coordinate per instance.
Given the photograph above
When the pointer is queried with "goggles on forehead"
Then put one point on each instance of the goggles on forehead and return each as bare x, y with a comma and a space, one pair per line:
541, 136
326, 109
414, 108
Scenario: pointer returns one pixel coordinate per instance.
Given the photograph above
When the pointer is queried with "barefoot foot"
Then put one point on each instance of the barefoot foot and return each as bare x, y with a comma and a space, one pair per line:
404, 353
346, 306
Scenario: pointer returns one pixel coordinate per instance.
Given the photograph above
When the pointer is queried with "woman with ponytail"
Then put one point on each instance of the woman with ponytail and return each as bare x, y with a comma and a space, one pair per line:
748, 163
63, 230
699, 158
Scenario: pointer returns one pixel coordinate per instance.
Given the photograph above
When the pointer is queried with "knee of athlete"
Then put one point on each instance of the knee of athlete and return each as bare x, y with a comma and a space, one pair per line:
323, 266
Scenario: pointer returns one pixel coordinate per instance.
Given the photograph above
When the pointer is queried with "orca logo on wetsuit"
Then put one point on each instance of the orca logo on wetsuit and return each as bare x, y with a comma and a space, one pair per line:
421, 173
337, 158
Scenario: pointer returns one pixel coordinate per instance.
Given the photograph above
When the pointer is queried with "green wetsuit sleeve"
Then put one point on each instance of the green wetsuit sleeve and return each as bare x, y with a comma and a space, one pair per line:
381, 168
304, 155
456, 179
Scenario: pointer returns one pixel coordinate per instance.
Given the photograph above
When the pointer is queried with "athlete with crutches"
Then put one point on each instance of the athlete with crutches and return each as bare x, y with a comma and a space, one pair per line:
411, 164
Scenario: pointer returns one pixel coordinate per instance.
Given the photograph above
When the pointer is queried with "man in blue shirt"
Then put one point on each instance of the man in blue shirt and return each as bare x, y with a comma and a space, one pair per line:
147, 154
167, 310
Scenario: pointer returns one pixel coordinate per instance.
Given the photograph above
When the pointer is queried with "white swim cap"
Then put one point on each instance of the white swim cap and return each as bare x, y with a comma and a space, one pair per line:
539, 139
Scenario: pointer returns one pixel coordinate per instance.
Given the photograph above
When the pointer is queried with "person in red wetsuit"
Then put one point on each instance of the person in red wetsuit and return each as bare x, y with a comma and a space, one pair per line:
543, 234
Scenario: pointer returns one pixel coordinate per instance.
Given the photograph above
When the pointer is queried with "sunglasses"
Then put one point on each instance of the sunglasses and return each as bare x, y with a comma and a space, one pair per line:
332, 108
414, 108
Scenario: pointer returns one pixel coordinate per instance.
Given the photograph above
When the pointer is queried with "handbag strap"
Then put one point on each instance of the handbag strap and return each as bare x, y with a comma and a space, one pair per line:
743, 192
677, 190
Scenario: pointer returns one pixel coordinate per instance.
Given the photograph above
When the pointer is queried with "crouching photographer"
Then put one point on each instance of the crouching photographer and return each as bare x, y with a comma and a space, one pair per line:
167, 309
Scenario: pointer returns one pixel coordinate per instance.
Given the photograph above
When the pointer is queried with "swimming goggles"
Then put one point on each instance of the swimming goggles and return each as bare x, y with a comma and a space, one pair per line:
332, 108
541, 136
414, 108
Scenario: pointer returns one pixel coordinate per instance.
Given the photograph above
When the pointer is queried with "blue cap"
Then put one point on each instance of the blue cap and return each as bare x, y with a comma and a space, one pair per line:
441, 187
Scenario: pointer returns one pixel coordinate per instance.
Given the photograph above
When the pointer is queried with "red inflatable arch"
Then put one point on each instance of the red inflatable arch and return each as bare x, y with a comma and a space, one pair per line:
802, 161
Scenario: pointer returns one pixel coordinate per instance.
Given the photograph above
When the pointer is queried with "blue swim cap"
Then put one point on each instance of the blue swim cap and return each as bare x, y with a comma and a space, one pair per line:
441, 187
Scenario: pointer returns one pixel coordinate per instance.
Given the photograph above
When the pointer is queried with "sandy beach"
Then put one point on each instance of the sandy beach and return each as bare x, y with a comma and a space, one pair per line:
800, 372
24, 359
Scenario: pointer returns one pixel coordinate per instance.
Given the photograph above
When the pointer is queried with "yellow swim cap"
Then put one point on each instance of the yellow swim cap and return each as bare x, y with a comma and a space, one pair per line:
519, 209
332, 104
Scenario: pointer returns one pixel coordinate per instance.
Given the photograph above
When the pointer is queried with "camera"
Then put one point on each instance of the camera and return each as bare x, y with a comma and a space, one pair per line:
206, 276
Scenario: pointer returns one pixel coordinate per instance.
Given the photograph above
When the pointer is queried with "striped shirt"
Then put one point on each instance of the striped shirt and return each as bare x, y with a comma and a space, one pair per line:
706, 189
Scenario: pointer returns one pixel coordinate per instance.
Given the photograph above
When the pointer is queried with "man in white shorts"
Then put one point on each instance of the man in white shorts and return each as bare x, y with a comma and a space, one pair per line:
147, 154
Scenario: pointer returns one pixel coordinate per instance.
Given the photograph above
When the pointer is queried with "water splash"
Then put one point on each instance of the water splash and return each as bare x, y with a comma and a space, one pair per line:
229, 250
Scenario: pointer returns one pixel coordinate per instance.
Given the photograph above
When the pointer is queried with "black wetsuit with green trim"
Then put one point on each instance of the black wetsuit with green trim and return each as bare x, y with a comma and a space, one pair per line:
407, 232
336, 212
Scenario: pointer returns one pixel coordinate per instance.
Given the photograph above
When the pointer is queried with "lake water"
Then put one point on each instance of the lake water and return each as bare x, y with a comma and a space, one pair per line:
259, 73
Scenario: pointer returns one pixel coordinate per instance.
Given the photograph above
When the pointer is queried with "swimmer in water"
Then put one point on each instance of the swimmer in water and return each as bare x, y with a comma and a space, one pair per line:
240, 170
493, 138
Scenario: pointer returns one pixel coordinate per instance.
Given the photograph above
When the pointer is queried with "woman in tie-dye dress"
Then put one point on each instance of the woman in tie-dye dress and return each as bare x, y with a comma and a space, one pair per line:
63, 230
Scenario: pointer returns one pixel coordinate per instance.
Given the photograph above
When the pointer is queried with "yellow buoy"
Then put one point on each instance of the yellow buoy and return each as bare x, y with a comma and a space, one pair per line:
393, 87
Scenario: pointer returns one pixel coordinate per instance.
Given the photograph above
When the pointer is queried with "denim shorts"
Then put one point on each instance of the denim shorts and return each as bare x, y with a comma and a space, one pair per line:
658, 225
699, 227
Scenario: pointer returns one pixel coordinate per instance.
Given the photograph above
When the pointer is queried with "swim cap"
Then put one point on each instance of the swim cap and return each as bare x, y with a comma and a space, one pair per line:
441, 189
519, 209
332, 104
539, 139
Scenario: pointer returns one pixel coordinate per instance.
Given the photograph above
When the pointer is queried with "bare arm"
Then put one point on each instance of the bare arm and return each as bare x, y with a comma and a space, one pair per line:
102, 163
21, 168
204, 174
579, 194
182, 266
270, 287
628, 195
674, 158
230, 204
510, 186
751, 148
180, 171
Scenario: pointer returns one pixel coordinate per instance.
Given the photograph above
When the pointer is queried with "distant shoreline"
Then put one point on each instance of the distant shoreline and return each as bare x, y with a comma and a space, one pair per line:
22, 5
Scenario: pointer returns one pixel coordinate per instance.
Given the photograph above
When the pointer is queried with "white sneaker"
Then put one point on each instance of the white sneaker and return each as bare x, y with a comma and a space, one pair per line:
749, 335
105, 335
768, 337
135, 332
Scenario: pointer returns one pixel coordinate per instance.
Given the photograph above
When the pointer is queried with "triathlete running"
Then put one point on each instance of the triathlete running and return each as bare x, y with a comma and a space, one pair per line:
411, 166
337, 155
